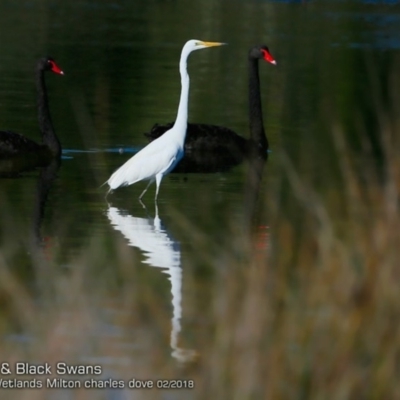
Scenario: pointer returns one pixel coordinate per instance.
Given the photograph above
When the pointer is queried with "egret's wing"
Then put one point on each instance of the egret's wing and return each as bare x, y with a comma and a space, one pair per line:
155, 158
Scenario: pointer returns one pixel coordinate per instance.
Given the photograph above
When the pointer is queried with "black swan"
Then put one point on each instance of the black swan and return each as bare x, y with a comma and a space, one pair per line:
212, 148
15, 146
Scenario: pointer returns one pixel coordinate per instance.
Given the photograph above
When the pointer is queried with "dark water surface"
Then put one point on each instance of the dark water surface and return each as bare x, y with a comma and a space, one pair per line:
120, 61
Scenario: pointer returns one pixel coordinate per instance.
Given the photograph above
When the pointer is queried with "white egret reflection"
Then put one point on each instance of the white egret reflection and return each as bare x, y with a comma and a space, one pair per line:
160, 251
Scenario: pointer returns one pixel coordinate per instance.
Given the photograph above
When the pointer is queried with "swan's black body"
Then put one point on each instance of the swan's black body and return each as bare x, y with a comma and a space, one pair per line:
18, 152
212, 148
208, 148
13, 144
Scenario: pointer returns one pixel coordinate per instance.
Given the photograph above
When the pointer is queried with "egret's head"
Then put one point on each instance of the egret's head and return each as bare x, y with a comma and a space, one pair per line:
262, 52
199, 44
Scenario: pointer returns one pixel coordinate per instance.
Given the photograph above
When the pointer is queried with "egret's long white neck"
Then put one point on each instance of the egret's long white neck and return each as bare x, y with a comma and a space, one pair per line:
182, 116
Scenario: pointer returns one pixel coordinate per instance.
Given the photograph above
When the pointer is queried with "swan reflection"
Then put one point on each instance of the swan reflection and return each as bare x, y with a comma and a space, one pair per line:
161, 251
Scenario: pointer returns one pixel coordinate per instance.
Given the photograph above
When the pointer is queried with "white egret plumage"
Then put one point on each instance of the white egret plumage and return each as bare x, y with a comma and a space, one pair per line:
160, 156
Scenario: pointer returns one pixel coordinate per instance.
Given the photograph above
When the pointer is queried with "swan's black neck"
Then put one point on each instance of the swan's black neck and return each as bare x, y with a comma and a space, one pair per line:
257, 133
45, 124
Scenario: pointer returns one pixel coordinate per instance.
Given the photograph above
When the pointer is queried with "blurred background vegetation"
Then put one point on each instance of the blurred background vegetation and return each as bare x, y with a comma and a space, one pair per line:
304, 303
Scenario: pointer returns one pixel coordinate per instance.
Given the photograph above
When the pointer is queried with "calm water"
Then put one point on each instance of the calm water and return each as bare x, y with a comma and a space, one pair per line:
120, 62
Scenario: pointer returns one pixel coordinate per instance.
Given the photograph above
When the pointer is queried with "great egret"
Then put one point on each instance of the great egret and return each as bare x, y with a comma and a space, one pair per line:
13, 144
210, 148
160, 156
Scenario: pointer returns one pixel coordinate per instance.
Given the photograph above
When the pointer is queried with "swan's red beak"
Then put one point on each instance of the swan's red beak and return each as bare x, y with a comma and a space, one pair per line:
268, 57
55, 68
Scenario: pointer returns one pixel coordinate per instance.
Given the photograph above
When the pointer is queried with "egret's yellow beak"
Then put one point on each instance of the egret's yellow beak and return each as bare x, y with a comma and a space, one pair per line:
212, 44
